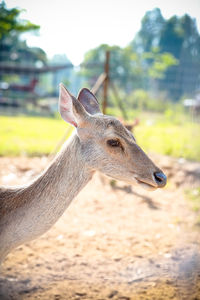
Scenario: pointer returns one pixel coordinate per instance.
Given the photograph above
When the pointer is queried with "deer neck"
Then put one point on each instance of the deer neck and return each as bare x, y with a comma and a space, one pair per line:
36, 207
65, 177
62, 181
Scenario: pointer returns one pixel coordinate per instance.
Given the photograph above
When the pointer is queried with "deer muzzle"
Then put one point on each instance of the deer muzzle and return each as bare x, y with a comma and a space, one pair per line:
160, 179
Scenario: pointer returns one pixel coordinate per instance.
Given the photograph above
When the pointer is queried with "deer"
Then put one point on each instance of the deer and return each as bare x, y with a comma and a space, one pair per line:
99, 143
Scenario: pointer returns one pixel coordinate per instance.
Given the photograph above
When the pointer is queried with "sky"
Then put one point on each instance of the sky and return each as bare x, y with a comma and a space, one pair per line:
73, 27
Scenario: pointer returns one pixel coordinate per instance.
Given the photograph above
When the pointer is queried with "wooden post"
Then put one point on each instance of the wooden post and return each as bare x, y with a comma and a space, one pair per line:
106, 82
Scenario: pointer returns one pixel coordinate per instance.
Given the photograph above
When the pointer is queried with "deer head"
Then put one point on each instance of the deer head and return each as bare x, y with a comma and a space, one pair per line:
106, 145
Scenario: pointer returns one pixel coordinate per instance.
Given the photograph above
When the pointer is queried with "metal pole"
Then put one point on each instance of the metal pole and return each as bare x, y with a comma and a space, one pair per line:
106, 82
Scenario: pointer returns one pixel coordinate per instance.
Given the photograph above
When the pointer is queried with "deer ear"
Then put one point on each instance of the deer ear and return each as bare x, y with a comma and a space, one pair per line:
71, 109
66, 106
89, 101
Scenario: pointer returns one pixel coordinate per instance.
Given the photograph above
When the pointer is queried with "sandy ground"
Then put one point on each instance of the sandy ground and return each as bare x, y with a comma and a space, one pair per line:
114, 241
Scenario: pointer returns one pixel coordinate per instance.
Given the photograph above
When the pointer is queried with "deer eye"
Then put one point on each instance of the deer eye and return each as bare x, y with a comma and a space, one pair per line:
114, 143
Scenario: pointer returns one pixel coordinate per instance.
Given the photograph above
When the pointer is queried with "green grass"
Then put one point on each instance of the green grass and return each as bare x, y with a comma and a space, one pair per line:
159, 133
29, 135
170, 139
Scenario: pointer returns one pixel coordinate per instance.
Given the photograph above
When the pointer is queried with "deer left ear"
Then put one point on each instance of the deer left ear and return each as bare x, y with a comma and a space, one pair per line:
66, 106
89, 101
71, 109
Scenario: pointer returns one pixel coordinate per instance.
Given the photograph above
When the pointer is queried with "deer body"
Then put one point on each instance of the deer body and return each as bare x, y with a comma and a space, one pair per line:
100, 143
31, 210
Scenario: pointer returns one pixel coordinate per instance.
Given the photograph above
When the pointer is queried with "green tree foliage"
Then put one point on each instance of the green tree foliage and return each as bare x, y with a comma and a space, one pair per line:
140, 65
128, 68
125, 67
12, 48
181, 38
149, 35
159, 63
10, 24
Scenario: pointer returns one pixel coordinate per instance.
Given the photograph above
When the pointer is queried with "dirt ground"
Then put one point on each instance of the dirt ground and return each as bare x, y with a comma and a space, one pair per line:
113, 242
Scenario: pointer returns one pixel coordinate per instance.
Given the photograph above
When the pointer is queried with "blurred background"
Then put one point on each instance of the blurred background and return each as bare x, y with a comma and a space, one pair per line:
150, 76
142, 61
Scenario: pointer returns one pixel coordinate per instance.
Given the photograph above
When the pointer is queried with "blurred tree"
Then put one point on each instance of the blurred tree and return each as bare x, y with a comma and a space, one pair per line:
140, 65
129, 69
160, 62
125, 66
93, 64
148, 36
172, 36
12, 48
181, 38
10, 24
177, 36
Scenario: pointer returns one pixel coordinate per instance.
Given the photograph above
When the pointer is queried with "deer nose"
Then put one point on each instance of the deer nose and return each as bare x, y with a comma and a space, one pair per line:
160, 179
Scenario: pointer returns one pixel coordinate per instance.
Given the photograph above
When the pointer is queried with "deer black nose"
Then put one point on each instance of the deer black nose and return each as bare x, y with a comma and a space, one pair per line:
160, 178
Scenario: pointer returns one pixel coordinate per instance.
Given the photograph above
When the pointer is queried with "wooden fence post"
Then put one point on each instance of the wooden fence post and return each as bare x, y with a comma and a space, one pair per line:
106, 82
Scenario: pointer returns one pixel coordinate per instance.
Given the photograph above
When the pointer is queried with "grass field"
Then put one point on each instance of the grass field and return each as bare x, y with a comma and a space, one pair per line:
29, 135
171, 139
157, 133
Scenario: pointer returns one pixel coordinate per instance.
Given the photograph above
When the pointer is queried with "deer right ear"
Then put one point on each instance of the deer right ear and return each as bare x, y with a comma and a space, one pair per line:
89, 101
66, 106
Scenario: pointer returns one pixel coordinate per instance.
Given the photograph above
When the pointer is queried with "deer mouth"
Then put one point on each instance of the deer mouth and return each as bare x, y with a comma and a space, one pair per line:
146, 186
159, 181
